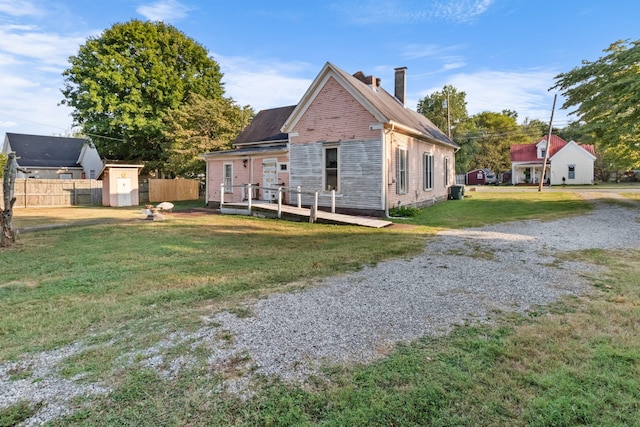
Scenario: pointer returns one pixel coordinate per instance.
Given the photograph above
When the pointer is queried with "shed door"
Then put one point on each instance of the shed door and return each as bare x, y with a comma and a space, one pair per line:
269, 179
124, 192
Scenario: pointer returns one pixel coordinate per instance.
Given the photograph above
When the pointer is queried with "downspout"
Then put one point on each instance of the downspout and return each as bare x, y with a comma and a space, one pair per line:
385, 144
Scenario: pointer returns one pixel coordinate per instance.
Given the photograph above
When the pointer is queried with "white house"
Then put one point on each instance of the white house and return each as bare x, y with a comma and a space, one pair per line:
568, 162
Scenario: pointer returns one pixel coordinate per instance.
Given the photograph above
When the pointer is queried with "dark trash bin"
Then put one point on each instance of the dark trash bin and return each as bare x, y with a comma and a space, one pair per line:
456, 192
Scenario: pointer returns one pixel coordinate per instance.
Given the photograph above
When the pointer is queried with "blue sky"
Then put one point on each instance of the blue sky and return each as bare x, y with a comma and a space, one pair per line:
503, 53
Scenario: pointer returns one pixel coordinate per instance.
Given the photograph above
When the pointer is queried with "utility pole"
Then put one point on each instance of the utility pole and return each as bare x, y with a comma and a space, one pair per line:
445, 104
546, 152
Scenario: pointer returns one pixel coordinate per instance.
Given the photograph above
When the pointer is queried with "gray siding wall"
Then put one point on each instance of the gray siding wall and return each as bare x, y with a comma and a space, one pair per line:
360, 173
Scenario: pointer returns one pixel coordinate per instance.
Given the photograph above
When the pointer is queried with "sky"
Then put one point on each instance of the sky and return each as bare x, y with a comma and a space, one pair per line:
504, 54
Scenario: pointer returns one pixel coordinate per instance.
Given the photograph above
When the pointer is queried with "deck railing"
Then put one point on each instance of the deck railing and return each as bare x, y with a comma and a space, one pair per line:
247, 191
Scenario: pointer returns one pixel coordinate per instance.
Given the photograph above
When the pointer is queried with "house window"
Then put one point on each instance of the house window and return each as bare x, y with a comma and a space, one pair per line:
92, 174
446, 171
403, 172
283, 167
428, 171
331, 168
227, 177
572, 172
542, 153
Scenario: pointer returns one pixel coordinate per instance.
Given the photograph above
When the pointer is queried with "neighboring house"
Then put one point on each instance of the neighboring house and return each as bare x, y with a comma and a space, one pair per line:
568, 162
349, 135
53, 157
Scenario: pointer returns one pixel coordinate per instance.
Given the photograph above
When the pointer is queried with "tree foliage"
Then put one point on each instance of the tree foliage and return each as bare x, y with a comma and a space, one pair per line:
606, 96
123, 83
199, 126
498, 131
445, 107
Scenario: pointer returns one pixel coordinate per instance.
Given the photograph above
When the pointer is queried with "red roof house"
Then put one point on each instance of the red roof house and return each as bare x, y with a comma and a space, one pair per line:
568, 162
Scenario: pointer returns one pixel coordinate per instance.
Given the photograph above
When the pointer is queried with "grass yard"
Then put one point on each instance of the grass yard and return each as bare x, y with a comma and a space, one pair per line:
124, 286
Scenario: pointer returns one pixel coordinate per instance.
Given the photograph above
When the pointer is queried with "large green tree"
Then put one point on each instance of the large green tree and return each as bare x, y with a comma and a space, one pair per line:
446, 108
605, 95
497, 132
123, 83
199, 126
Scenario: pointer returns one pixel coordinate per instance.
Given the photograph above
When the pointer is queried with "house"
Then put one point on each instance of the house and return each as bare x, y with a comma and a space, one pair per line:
260, 156
53, 157
347, 138
568, 162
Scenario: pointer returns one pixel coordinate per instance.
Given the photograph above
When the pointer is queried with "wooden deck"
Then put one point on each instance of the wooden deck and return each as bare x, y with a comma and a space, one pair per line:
293, 213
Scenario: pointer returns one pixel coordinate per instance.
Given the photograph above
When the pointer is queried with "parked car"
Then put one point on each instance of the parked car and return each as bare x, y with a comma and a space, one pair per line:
490, 177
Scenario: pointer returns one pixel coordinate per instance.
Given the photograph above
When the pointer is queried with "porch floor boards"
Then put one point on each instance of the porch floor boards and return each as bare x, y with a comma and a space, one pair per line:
304, 213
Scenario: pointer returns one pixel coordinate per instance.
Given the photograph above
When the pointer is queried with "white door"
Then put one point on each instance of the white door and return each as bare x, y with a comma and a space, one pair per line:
269, 179
124, 192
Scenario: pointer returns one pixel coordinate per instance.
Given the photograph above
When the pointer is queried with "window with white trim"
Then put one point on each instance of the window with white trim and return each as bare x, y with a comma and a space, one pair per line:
572, 172
427, 162
402, 161
227, 177
331, 168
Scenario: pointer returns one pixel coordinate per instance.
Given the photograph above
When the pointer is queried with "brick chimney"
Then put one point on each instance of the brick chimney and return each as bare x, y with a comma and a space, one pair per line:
400, 91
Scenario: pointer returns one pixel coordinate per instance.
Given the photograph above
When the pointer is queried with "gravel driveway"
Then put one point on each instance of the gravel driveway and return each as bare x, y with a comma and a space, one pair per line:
463, 275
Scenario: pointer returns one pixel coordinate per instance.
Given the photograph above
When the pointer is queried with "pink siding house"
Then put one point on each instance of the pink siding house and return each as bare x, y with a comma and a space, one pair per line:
348, 135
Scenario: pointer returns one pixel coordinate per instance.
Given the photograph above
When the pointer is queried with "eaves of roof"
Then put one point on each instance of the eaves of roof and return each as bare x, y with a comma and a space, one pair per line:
246, 151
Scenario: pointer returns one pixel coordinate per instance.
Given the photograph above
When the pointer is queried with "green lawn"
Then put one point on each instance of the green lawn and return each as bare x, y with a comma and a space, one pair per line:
124, 286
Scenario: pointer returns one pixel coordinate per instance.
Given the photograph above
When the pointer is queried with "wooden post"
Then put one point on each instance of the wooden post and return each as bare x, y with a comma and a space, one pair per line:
333, 201
279, 202
221, 195
299, 197
7, 235
315, 208
250, 201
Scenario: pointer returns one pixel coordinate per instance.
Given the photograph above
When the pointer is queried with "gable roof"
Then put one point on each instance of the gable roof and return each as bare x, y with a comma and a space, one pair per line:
265, 126
529, 152
46, 151
382, 105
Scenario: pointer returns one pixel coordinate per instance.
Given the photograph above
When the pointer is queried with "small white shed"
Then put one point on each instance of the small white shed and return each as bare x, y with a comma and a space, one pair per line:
120, 185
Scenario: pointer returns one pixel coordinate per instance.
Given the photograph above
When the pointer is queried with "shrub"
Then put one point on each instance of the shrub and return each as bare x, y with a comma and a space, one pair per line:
404, 211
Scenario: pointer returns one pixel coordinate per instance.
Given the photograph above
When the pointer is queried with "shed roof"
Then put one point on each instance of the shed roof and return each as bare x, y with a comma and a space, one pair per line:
46, 151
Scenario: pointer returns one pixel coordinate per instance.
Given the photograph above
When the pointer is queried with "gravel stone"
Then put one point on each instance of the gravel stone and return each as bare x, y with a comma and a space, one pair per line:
462, 276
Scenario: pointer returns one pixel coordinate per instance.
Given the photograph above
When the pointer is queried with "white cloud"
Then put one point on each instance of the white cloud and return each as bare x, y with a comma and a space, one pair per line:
385, 11
31, 42
164, 10
19, 8
264, 84
526, 92
31, 62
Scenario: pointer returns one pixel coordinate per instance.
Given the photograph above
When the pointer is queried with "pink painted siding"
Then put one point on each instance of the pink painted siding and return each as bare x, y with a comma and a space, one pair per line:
252, 173
416, 194
334, 115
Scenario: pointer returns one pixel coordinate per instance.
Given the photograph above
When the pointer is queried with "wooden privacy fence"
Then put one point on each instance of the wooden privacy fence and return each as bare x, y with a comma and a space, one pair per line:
31, 193
171, 190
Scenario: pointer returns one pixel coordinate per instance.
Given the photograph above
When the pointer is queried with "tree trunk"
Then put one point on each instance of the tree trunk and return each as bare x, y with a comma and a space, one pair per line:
7, 235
